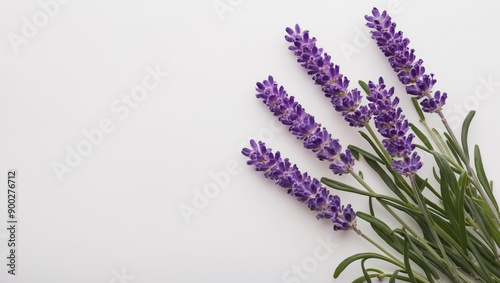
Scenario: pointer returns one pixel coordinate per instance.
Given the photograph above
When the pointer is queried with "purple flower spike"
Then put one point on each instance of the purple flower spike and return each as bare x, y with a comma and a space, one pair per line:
431, 105
324, 73
402, 59
306, 189
391, 123
409, 166
303, 125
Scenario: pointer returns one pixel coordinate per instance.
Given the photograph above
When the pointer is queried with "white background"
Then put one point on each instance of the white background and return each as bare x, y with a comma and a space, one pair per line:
116, 217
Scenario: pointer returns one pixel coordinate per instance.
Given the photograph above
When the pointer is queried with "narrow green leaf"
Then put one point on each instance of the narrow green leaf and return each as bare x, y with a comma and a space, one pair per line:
406, 255
465, 132
485, 251
415, 253
448, 231
422, 186
365, 153
449, 187
354, 152
408, 209
492, 268
394, 242
446, 171
483, 270
362, 279
387, 179
453, 148
364, 86
340, 186
491, 227
346, 188
478, 162
463, 183
426, 265
421, 136
394, 276
365, 273
378, 271
436, 175
370, 206
482, 220
346, 262
429, 186
417, 107
372, 144
455, 153
423, 148
402, 183
461, 262
374, 222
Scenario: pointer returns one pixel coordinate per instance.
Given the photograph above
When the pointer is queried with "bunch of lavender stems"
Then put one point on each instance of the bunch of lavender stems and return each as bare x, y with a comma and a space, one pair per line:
388, 119
316, 138
335, 87
458, 236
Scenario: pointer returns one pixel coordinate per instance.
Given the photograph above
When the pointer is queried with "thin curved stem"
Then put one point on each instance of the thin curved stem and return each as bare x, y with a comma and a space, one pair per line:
442, 147
377, 141
399, 262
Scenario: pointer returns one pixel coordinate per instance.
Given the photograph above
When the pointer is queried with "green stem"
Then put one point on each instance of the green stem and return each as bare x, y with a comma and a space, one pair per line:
399, 262
396, 216
380, 145
434, 138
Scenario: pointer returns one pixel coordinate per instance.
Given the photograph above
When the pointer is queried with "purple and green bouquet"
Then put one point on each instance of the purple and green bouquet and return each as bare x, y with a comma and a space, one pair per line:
454, 229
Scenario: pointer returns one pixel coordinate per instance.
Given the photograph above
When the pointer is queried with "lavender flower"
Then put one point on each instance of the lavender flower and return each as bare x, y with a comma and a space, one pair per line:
300, 185
402, 60
328, 76
392, 125
435, 104
409, 165
304, 126
359, 117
